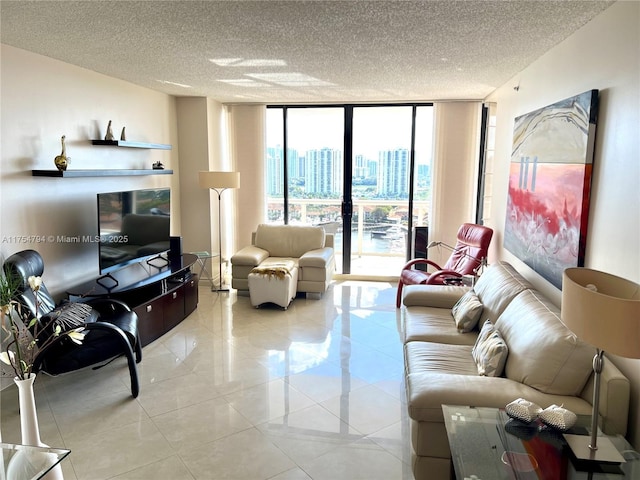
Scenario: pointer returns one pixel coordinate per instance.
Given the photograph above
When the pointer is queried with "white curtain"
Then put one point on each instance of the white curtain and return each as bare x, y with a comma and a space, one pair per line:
246, 133
454, 181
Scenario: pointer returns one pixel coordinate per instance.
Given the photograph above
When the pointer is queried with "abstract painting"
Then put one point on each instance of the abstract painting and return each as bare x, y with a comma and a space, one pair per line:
549, 185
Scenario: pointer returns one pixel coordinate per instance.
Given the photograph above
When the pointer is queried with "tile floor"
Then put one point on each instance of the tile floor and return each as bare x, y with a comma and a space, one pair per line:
233, 392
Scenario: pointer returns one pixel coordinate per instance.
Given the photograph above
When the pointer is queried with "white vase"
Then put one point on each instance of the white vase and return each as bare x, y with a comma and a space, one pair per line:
30, 430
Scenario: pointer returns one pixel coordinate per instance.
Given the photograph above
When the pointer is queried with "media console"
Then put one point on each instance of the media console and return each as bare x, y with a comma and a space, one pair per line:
162, 292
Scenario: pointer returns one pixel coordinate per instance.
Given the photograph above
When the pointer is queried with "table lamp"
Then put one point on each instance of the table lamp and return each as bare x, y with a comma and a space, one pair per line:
604, 311
219, 182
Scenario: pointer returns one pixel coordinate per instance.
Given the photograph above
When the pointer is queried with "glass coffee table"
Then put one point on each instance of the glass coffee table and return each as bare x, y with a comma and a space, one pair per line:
23, 462
486, 444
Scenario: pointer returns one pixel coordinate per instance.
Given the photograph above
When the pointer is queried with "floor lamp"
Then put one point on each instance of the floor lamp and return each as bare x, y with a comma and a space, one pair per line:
604, 311
219, 182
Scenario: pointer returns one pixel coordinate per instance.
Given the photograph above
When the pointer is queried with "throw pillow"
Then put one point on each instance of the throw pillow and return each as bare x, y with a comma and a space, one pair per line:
490, 351
466, 312
486, 330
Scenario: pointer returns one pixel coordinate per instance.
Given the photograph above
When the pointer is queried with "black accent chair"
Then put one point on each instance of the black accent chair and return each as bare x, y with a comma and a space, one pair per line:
111, 327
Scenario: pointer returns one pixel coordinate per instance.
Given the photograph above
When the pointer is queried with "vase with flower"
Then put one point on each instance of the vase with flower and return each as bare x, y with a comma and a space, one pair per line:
24, 338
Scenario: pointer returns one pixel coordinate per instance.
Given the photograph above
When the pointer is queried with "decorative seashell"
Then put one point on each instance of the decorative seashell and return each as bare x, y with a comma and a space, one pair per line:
523, 410
558, 417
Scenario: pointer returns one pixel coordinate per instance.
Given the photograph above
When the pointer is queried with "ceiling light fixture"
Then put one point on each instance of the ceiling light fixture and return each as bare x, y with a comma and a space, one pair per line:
167, 82
291, 79
248, 62
244, 82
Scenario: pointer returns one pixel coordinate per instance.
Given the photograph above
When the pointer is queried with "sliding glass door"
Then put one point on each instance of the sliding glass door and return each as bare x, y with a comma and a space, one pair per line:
355, 170
305, 185
380, 188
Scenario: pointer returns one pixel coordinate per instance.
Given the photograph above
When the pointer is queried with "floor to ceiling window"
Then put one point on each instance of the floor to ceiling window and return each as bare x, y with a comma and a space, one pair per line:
361, 169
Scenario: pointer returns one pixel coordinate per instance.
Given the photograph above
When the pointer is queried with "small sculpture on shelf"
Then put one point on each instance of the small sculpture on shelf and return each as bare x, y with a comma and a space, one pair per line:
158, 166
109, 135
123, 136
62, 161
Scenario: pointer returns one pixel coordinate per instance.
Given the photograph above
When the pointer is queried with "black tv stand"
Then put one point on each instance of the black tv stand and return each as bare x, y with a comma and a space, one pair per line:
161, 297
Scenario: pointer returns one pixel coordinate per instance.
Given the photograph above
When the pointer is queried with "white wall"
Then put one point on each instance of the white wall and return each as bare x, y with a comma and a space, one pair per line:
43, 99
603, 55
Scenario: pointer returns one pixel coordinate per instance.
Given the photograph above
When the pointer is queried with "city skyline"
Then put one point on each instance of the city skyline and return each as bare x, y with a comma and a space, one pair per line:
321, 171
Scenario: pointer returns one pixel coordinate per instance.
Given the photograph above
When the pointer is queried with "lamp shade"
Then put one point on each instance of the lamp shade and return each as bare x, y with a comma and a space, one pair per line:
602, 310
219, 180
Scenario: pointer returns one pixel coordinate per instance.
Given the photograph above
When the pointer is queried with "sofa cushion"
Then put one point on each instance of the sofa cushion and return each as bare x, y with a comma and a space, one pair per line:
428, 324
497, 286
288, 240
423, 357
490, 351
466, 312
543, 353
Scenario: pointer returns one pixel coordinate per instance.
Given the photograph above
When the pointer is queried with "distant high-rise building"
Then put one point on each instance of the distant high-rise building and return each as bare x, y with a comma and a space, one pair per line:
275, 179
295, 169
360, 166
373, 168
323, 171
424, 173
393, 167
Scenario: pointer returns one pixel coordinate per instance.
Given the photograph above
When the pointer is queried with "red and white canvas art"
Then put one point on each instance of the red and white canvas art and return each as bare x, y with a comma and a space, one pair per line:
549, 185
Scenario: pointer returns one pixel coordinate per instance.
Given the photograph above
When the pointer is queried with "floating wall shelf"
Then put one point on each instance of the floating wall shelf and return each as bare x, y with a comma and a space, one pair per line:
127, 144
96, 173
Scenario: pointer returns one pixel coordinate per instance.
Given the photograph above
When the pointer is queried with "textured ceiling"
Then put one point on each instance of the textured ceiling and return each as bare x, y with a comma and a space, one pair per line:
299, 51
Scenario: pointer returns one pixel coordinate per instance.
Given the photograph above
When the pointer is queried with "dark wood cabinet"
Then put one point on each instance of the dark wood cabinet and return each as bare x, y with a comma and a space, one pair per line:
161, 297
190, 295
173, 308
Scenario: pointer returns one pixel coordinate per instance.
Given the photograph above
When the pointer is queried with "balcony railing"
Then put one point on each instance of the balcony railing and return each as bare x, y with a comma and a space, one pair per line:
379, 228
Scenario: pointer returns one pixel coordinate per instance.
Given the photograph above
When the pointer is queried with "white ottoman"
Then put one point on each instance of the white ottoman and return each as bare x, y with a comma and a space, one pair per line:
273, 283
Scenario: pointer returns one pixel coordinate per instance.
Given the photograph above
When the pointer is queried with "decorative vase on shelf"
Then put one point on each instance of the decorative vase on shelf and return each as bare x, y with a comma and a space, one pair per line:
109, 134
62, 161
20, 463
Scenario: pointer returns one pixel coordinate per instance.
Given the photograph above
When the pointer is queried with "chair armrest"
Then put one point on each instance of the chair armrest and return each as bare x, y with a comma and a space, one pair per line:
437, 296
66, 344
108, 306
318, 258
423, 261
329, 240
250, 256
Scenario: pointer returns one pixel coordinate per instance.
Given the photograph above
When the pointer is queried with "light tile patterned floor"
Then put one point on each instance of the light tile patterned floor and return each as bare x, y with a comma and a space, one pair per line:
234, 392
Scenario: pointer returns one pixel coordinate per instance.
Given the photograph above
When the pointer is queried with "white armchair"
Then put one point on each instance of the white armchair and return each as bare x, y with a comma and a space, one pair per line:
310, 248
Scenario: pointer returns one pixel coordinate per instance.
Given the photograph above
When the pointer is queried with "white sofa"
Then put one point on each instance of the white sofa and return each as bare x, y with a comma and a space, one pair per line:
308, 247
546, 363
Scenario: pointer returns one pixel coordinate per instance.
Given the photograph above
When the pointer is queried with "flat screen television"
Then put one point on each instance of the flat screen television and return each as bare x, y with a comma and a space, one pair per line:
133, 225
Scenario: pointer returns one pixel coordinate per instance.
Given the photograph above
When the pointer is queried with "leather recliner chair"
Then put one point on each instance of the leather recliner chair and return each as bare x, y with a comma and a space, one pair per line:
111, 327
467, 256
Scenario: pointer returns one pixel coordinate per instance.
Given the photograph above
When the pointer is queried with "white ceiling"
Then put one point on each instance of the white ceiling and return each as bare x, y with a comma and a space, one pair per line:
300, 51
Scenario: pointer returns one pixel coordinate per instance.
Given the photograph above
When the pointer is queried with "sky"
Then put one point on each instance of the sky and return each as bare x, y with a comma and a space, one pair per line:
375, 129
